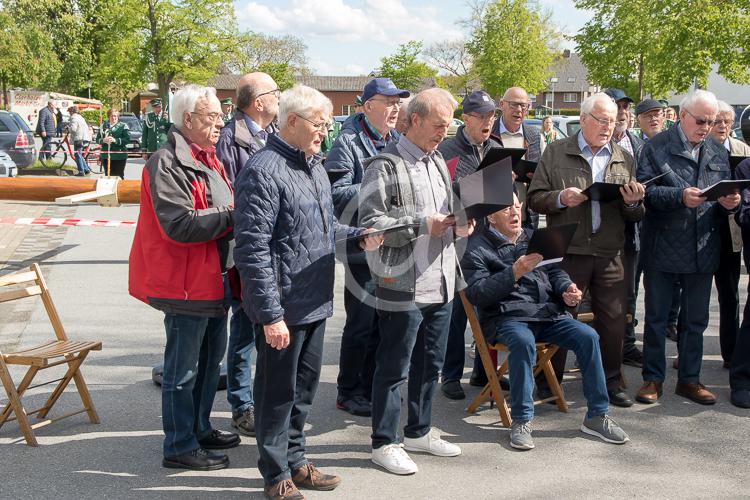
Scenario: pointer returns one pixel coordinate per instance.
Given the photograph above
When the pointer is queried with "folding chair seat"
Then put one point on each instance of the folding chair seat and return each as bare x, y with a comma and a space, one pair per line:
492, 390
59, 351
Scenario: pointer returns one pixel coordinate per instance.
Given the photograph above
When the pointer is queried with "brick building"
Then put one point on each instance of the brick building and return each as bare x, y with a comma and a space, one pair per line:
568, 86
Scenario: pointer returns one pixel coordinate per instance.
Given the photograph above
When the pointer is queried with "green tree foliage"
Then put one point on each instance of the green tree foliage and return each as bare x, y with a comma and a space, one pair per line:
404, 68
658, 46
513, 43
282, 57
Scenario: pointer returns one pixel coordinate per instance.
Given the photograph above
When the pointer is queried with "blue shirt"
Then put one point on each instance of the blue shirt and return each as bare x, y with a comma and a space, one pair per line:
255, 129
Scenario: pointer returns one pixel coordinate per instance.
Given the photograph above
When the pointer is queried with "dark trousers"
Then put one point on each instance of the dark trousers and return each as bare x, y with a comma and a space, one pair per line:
116, 167
359, 339
285, 385
412, 342
604, 278
455, 351
739, 373
632, 265
240, 360
727, 280
46, 150
696, 293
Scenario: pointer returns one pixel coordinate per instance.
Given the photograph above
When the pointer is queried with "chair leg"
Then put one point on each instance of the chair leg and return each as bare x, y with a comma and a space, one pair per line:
14, 404
73, 365
20, 390
83, 391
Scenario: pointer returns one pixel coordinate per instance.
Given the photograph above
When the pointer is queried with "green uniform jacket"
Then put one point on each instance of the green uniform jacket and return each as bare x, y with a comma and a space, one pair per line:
121, 133
155, 130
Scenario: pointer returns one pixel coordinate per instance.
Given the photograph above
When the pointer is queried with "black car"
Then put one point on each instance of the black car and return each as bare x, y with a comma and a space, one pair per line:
136, 130
16, 139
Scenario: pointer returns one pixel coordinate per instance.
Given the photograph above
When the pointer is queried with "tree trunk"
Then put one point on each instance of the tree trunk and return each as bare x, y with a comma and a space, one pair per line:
640, 78
6, 104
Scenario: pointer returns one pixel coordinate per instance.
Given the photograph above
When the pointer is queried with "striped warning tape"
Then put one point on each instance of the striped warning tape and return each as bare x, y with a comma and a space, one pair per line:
56, 222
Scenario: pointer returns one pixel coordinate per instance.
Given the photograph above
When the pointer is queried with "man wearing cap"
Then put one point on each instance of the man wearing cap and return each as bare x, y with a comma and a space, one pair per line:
465, 152
226, 109
241, 137
362, 136
680, 242
155, 128
650, 116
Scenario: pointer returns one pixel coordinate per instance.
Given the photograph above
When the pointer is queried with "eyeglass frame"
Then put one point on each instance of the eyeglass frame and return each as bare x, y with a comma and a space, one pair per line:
601, 121
523, 106
208, 115
388, 103
276, 92
318, 126
700, 121
488, 117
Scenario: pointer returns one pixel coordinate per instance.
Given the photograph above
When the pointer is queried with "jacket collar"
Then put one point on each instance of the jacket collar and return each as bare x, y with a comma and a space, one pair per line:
242, 135
678, 148
182, 150
290, 153
499, 240
572, 148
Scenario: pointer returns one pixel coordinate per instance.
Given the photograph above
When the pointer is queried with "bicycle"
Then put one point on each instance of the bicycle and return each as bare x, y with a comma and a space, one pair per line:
61, 149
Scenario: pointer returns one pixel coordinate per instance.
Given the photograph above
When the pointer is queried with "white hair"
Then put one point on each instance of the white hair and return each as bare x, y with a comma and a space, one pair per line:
697, 96
186, 99
303, 101
587, 106
725, 107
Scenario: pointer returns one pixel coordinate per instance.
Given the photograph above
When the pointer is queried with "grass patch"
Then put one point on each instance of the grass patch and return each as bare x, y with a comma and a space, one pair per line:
38, 165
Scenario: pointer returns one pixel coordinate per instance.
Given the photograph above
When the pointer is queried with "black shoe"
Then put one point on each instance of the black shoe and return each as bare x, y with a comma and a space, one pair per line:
452, 389
356, 405
199, 459
219, 440
740, 398
620, 398
481, 381
633, 358
545, 393
672, 333
726, 365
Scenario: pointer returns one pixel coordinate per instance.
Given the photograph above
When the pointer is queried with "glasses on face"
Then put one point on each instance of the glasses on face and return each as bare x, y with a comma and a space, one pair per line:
490, 117
324, 126
602, 121
276, 93
523, 106
700, 121
389, 103
212, 117
658, 113
723, 121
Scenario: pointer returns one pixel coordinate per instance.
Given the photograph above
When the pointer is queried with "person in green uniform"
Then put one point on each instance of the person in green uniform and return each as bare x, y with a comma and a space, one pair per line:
227, 110
114, 136
155, 128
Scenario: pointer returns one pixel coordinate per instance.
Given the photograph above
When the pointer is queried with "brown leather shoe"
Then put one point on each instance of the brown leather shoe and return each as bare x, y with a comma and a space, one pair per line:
649, 393
283, 490
695, 392
308, 476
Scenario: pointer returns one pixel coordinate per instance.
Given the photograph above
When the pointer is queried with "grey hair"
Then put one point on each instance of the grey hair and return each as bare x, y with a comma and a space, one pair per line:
587, 106
725, 107
185, 100
696, 96
303, 101
423, 103
247, 93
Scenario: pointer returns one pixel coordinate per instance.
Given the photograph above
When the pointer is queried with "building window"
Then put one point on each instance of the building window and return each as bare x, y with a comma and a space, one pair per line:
347, 109
571, 79
532, 98
570, 97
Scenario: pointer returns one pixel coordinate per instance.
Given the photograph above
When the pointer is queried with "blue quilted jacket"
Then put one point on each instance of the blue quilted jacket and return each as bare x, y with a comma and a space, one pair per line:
677, 239
284, 231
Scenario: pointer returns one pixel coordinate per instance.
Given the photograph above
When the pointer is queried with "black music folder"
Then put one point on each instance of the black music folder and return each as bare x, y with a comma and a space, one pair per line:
551, 242
484, 192
723, 188
392, 229
603, 191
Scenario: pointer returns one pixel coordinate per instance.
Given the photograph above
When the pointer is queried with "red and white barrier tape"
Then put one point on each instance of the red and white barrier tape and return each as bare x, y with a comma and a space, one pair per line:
56, 222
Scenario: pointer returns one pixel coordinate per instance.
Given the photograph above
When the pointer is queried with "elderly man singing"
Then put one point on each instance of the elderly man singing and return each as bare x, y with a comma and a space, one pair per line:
181, 251
286, 231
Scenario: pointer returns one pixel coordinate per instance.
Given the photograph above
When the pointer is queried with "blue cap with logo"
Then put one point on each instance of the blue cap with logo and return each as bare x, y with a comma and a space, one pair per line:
382, 86
617, 95
478, 101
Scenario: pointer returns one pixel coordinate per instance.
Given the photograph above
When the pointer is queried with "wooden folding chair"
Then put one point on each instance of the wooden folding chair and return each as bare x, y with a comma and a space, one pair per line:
492, 390
47, 355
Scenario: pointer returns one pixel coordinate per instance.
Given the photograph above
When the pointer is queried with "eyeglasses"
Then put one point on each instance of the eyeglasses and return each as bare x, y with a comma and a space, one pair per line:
700, 121
389, 103
276, 92
720, 121
523, 106
489, 117
602, 121
212, 117
324, 126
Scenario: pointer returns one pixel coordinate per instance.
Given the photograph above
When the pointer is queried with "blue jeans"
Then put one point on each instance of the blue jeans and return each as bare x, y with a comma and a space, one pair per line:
83, 167
412, 343
521, 337
285, 384
240, 360
46, 150
694, 302
195, 347
455, 351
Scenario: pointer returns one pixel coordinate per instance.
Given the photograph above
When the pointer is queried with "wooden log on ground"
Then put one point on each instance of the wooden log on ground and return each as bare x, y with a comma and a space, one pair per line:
49, 189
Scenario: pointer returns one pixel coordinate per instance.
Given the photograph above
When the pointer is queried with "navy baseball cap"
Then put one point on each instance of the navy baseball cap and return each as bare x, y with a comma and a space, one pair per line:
382, 86
478, 101
617, 95
647, 105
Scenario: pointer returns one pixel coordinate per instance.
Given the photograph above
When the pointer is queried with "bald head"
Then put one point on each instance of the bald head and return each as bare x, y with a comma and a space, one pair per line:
514, 107
258, 97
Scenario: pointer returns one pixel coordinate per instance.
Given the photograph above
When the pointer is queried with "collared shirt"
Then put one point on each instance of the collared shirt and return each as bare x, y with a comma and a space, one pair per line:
512, 139
727, 144
695, 151
598, 163
434, 257
255, 129
378, 141
626, 144
478, 148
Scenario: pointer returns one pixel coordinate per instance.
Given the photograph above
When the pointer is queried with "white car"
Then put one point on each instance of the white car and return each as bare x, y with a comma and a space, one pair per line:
453, 127
8, 167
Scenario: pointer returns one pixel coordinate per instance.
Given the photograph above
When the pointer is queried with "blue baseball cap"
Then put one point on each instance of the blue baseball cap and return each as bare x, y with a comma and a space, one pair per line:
618, 95
478, 101
382, 86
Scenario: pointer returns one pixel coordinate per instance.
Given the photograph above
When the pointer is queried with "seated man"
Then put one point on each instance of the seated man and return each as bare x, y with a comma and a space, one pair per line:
520, 305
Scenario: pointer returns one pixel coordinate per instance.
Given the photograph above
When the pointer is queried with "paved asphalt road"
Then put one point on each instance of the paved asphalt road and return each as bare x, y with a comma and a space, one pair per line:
678, 450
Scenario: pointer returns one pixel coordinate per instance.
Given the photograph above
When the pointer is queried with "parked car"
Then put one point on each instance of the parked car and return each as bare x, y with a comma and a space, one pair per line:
136, 130
453, 127
570, 124
7, 165
537, 123
737, 134
16, 139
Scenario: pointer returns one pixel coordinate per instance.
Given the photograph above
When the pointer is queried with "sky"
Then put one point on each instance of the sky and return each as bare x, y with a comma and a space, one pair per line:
348, 37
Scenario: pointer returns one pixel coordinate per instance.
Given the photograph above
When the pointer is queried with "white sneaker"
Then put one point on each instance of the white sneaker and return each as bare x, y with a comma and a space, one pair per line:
432, 444
394, 459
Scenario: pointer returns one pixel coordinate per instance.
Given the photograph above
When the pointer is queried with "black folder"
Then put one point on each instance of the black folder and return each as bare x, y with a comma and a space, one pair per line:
551, 242
484, 192
736, 160
522, 169
654, 179
335, 174
723, 188
603, 191
387, 230
495, 155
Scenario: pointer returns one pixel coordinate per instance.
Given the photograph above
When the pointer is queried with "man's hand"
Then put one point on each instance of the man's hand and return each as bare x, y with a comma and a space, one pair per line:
465, 231
633, 192
730, 201
525, 264
43, 134
277, 335
572, 296
109, 139
370, 243
437, 224
691, 197
572, 197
